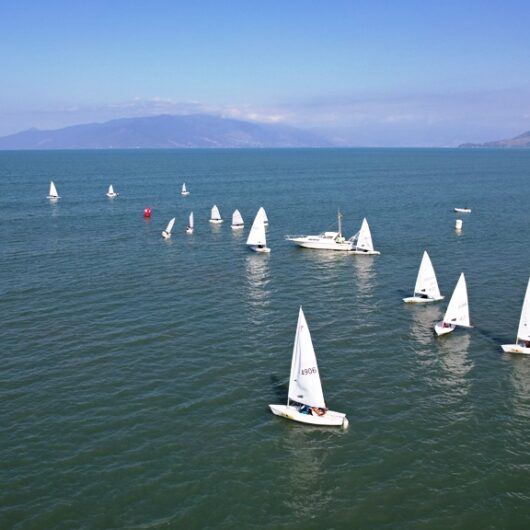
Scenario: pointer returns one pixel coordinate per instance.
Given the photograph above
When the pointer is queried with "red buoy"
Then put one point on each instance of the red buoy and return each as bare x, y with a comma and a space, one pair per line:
147, 213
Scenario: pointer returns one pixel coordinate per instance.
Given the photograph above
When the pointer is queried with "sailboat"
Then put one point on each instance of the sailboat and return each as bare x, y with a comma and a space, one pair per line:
305, 398
462, 210
263, 214
215, 216
256, 240
237, 220
189, 228
362, 241
53, 192
184, 191
457, 313
166, 234
522, 342
111, 193
426, 289
325, 240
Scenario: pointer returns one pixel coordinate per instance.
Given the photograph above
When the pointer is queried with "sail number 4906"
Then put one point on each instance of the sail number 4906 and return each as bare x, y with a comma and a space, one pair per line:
309, 371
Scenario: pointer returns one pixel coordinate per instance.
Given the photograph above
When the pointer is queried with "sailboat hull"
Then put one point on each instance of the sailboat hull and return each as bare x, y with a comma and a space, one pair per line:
261, 250
419, 300
440, 329
365, 252
216, 221
330, 419
515, 348
166, 235
237, 227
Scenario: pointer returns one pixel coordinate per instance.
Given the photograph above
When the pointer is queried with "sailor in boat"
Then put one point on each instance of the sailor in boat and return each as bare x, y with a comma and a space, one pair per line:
317, 411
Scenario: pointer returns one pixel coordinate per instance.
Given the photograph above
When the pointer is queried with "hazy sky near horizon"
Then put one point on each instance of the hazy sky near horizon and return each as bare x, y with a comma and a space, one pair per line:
373, 72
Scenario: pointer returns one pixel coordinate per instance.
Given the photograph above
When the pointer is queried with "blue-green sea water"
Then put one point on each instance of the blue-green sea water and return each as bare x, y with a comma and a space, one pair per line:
135, 372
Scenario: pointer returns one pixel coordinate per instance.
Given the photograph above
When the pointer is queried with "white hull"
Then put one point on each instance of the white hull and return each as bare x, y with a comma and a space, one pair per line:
463, 210
419, 300
237, 227
184, 193
166, 235
366, 252
53, 197
262, 250
216, 221
111, 195
329, 419
308, 242
515, 348
440, 329
189, 230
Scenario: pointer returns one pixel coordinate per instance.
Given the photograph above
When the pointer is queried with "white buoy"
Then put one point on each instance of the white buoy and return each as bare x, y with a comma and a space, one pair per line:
458, 224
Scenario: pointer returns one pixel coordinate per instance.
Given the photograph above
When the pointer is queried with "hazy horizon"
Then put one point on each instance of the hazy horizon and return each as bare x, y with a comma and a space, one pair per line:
371, 73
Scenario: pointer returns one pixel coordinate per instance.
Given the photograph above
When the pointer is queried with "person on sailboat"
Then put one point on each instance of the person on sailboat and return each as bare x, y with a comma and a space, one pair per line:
318, 411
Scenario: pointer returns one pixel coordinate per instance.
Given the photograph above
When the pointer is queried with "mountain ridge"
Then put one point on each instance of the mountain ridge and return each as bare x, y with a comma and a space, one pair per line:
520, 141
166, 131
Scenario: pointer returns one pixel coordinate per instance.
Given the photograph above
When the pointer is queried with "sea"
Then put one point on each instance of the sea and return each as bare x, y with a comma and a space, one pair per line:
136, 372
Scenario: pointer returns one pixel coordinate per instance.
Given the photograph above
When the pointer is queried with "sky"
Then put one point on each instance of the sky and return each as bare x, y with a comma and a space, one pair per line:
370, 73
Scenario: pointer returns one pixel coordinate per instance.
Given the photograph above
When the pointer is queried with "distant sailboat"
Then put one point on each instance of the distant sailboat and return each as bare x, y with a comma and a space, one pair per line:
184, 191
237, 220
305, 398
189, 228
522, 342
166, 234
426, 289
457, 313
462, 210
362, 241
111, 193
257, 240
53, 192
215, 216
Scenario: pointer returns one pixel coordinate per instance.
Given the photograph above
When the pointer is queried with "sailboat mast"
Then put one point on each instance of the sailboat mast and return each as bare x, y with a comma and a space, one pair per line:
339, 220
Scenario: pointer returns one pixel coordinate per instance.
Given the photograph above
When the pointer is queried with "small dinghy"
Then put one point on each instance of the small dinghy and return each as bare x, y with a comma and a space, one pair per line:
457, 313
426, 289
362, 241
305, 399
53, 195
191, 224
522, 342
184, 192
257, 240
215, 216
111, 193
166, 234
237, 220
462, 210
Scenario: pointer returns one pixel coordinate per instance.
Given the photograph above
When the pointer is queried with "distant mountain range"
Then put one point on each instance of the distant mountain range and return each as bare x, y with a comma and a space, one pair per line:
523, 140
165, 131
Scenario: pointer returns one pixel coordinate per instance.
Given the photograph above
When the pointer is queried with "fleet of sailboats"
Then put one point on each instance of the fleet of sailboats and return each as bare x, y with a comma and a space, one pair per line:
257, 240
457, 313
111, 193
522, 341
426, 289
305, 398
237, 220
52, 194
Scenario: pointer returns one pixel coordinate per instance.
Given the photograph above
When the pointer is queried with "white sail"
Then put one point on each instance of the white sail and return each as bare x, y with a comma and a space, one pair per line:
111, 190
523, 333
169, 226
458, 309
53, 191
363, 238
304, 382
426, 283
263, 214
237, 219
184, 187
190, 221
256, 236
215, 215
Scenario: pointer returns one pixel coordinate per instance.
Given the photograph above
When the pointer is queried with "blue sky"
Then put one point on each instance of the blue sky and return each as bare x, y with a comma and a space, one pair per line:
371, 72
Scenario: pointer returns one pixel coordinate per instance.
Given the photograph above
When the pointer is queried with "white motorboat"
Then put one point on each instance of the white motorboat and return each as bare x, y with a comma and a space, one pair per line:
53, 195
305, 398
191, 224
426, 289
457, 313
237, 220
166, 234
215, 216
325, 240
257, 240
522, 342
111, 193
